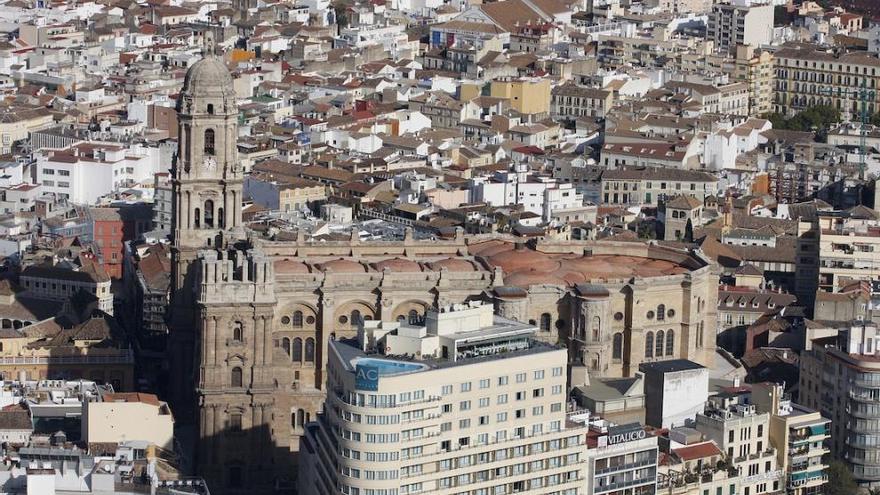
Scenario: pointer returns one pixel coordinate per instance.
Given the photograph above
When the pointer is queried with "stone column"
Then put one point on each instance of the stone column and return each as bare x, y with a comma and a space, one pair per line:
259, 328
215, 435
267, 341
214, 342
327, 325
386, 306
209, 431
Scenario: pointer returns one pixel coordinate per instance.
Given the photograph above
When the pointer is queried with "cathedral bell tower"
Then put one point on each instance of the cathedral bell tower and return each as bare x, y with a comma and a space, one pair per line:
206, 211
207, 178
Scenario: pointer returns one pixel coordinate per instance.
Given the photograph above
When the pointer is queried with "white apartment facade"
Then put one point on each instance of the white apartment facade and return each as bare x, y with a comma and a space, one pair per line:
740, 22
478, 407
84, 172
743, 435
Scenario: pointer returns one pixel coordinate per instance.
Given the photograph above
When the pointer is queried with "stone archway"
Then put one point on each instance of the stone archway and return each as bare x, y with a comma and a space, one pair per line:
412, 311
347, 315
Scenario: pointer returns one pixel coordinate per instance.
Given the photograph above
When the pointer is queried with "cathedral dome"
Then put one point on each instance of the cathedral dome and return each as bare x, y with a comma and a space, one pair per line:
208, 76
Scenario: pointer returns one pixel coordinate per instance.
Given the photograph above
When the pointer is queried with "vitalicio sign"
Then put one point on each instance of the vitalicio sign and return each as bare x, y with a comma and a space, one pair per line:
625, 433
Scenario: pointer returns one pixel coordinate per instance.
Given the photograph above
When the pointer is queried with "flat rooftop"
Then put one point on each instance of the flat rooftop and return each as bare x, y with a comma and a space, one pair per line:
350, 354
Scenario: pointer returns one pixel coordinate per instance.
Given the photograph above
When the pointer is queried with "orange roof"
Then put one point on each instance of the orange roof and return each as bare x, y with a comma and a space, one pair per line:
697, 451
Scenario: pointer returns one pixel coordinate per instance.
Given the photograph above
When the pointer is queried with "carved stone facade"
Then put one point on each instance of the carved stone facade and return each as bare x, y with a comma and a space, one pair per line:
252, 318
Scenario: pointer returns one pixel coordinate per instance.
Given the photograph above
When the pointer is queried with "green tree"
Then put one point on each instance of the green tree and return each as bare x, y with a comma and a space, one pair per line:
840, 480
818, 119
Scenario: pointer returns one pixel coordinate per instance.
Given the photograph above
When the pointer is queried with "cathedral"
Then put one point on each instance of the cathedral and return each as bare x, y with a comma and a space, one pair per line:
251, 318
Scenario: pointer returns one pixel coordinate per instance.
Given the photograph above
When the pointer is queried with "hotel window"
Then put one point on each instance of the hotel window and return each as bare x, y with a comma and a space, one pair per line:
466, 387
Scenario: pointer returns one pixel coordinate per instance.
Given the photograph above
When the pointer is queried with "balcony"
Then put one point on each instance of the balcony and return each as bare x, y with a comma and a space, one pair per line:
623, 484
757, 455
625, 467
801, 479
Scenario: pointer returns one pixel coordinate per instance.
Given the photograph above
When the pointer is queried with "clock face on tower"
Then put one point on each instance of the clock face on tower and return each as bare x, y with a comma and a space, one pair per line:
210, 163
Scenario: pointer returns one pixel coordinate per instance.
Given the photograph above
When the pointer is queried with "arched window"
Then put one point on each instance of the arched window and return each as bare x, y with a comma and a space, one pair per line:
597, 325
649, 345
300, 418
297, 355
310, 350
670, 343
197, 218
661, 312
546, 320
210, 109
413, 317
285, 344
237, 332
355, 318
209, 214
658, 345
297, 318
236, 377
209, 141
617, 346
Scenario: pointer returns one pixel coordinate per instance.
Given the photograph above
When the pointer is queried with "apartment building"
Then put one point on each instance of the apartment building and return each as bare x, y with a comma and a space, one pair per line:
121, 417
740, 22
570, 101
84, 172
849, 246
799, 435
755, 68
730, 99
60, 283
840, 377
743, 434
162, 201
807, 77
621, 459
467, 403
528, 96
695, 467
648, 185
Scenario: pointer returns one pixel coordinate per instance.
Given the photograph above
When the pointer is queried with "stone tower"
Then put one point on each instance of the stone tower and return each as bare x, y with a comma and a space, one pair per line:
222, 291
206, 191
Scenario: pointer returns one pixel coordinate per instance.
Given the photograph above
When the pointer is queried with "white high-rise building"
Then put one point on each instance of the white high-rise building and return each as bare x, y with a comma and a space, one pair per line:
740, 22
469, 402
